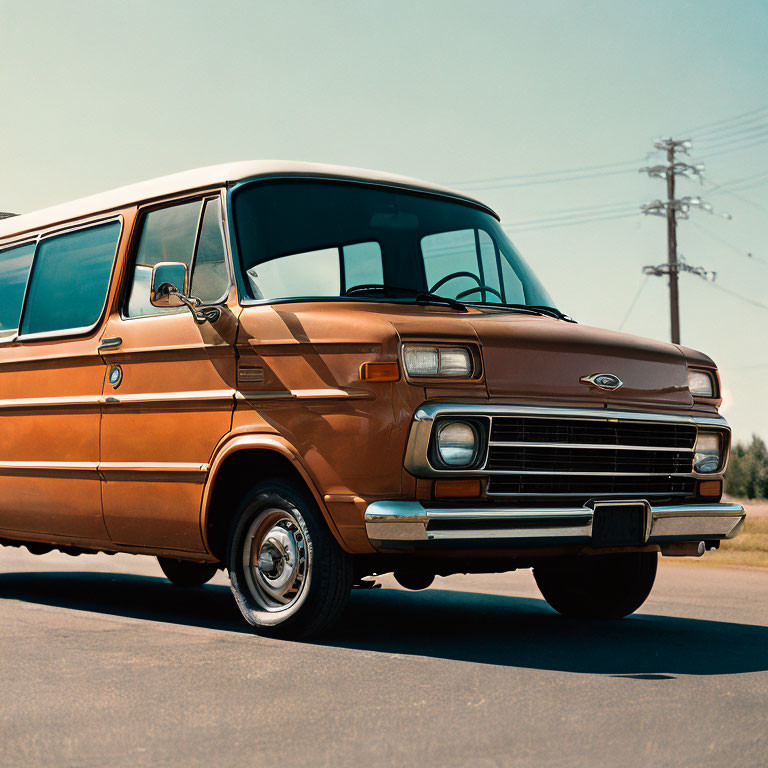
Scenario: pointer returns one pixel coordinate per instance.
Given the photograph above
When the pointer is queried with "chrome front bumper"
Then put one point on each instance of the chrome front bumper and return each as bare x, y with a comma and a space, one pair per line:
398, 523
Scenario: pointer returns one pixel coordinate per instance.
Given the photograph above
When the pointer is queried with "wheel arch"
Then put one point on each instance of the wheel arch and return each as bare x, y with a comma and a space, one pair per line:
232, 474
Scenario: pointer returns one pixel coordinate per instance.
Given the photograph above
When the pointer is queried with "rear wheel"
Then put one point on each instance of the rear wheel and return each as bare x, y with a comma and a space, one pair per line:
183, 573
289, 576
597, 586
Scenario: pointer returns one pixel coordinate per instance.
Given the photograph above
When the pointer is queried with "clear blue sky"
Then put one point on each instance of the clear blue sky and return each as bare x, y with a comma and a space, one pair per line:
100, 94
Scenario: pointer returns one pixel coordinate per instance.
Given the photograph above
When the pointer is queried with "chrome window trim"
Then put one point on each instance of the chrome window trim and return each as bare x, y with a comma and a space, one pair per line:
84, 330
417, 448
12, 334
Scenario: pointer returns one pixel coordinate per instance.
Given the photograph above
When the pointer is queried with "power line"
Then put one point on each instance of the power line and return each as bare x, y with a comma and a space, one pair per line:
603, 206
736, 182
554, 225
634, 301
749, 185
719, 128
740, 251
757, 133
735, 131
543, 174
746, 199
736, 149
586, 211
735, 186
709, 126
739, 296
548, 181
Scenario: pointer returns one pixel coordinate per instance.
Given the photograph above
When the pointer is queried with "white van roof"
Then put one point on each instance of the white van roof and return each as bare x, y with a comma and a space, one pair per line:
201, 178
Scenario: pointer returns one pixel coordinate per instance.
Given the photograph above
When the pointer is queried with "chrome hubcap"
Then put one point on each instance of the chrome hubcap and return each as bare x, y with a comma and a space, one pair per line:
276, 559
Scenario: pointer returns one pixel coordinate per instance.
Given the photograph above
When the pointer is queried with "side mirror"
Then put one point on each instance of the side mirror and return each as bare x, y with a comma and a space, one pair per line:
169, 282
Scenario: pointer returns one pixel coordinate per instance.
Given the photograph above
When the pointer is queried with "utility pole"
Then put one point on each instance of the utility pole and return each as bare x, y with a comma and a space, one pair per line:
674, 295
674, 209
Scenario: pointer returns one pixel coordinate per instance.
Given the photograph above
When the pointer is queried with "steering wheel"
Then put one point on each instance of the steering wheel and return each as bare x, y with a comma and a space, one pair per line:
480, 286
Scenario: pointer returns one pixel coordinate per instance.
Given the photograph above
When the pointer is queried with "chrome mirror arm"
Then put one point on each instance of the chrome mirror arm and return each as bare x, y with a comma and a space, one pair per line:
202, 314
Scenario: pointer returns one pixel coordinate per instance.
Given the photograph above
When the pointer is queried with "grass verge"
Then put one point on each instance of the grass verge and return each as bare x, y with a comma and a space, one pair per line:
749, 548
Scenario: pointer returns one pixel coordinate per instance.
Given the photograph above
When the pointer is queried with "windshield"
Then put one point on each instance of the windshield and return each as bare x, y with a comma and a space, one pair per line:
322, 239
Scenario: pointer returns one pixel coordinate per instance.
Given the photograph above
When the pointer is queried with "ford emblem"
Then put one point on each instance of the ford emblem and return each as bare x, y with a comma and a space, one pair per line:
602, 381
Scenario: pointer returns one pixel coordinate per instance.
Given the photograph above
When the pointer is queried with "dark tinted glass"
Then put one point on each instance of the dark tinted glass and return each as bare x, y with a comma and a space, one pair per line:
69, 280
422, 240
14, 270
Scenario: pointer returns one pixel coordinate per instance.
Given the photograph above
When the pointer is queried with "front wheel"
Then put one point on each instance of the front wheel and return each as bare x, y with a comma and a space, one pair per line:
597, 586
289, 576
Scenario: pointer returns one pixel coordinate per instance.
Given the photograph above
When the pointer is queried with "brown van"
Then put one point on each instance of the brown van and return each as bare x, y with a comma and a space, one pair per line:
309, 375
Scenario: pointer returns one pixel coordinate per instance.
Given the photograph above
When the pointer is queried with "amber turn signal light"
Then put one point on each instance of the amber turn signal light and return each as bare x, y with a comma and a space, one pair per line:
457, 489
709, 488
379, 372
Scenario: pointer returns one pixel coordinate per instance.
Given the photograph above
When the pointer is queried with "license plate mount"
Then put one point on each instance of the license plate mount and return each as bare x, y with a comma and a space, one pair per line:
620, 523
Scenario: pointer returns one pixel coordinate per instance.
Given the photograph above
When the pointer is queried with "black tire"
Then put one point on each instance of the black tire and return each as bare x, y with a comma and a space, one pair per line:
183, 573
597, 586
300, 581
415, 580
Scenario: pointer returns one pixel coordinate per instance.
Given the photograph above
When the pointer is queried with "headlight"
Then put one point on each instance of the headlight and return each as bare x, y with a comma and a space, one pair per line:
457, 443
706, 458
701, 383
423, 360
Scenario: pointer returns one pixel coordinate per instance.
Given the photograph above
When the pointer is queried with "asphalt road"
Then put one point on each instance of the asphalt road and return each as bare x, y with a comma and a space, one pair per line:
102, 662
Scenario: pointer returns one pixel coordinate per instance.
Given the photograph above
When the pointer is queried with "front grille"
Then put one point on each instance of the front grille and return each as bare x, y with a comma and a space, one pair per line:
533, 459
580, 459
520, 429
586, 487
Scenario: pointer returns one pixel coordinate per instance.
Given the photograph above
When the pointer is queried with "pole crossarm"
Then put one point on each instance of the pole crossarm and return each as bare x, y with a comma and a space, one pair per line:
660, 270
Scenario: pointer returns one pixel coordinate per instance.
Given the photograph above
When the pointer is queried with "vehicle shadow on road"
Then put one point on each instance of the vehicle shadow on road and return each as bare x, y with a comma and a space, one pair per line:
526, 632
449, 624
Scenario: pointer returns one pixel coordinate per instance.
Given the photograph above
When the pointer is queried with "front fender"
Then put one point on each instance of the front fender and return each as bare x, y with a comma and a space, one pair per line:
261, 442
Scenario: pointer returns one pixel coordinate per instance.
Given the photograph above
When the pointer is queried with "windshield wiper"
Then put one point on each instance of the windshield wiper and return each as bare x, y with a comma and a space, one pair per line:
425, 297
421, 297
534, 309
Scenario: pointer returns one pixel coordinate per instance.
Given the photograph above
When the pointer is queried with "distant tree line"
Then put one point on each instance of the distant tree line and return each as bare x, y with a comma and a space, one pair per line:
747, 475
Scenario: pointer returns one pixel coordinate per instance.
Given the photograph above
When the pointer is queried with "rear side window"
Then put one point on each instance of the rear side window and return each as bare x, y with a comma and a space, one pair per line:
69, 280
189, 233
14, 270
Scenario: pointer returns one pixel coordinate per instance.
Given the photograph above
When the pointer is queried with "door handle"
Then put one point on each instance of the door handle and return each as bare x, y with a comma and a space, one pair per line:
112, 343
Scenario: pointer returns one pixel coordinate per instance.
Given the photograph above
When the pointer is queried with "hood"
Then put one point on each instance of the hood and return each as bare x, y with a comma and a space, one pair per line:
530, 356
527, 358
535, 358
